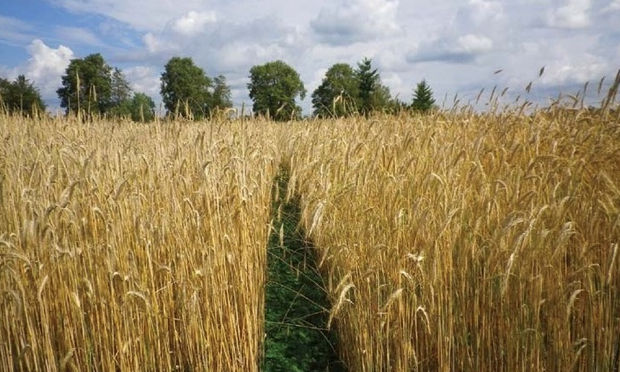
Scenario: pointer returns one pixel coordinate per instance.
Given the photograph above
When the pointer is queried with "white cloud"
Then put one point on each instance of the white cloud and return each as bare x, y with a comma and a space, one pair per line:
193, 22
473, 44
575, 71
568, 65
223, 46
354, 21
462, 49
156, 45
573, 15
144, 79
143, 15
479, 12
46, 67
612, 7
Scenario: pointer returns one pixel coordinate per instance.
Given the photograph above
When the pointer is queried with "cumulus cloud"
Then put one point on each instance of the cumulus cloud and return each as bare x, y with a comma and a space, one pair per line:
193, 22
46, 67
462, 49
480, 12
573, 15
473, 44
224, 45
465, 37
566, 70
144, 79
354, 21
612, 7
155, 44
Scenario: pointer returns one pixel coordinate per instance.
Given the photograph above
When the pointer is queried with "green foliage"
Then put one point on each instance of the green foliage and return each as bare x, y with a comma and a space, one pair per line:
423, 99
139, 108
120, 110
87, 85
295, 302
4, 88
338, 93
344, 92
120, 90
369, 83
142, 108
185, 88
381, 98
221, 97
21, 96
273, 88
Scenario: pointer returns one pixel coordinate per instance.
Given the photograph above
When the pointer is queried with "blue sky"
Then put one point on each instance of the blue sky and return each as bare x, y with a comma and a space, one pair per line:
455, 45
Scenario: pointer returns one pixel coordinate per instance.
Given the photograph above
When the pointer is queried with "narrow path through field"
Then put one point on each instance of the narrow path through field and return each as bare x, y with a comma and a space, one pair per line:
296, 305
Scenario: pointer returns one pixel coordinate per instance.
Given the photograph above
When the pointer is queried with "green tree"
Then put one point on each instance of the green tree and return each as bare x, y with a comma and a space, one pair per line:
381, 99
120, 90
142, 108
274, 87
423, 99
4, 88
369, 82
21, 96
120, 95
185, 88
221, 96
86, 85
338, 93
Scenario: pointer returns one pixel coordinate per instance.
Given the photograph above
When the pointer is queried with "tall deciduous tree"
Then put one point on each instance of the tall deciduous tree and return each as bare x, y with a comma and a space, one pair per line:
274, 87
21, 96
120, 89
369, 82
120, 95
423, 99
87, 85
338, 93
221, 96
185, 88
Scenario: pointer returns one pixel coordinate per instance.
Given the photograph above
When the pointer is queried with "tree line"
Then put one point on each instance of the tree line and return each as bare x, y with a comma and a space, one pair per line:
20, 96
90, 86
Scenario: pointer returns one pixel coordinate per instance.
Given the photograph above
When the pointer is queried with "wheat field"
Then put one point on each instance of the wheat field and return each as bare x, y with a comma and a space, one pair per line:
129, 247
455, 241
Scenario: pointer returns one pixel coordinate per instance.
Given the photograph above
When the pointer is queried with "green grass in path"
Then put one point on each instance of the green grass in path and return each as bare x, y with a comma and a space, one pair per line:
296, 306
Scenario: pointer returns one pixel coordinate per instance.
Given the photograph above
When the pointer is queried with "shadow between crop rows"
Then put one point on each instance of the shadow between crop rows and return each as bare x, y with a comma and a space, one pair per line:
296, 305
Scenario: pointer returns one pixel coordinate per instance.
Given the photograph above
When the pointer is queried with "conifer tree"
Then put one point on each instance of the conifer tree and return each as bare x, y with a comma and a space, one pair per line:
423, 99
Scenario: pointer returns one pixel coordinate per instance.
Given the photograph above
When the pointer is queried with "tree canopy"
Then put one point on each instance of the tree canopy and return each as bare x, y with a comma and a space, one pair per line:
273, 88
221, 96
87, 85
345, 91
120, 95
338, 93
91, 85
423, 99
120, 90
185, 88
142, 108
4, 88
21, 96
